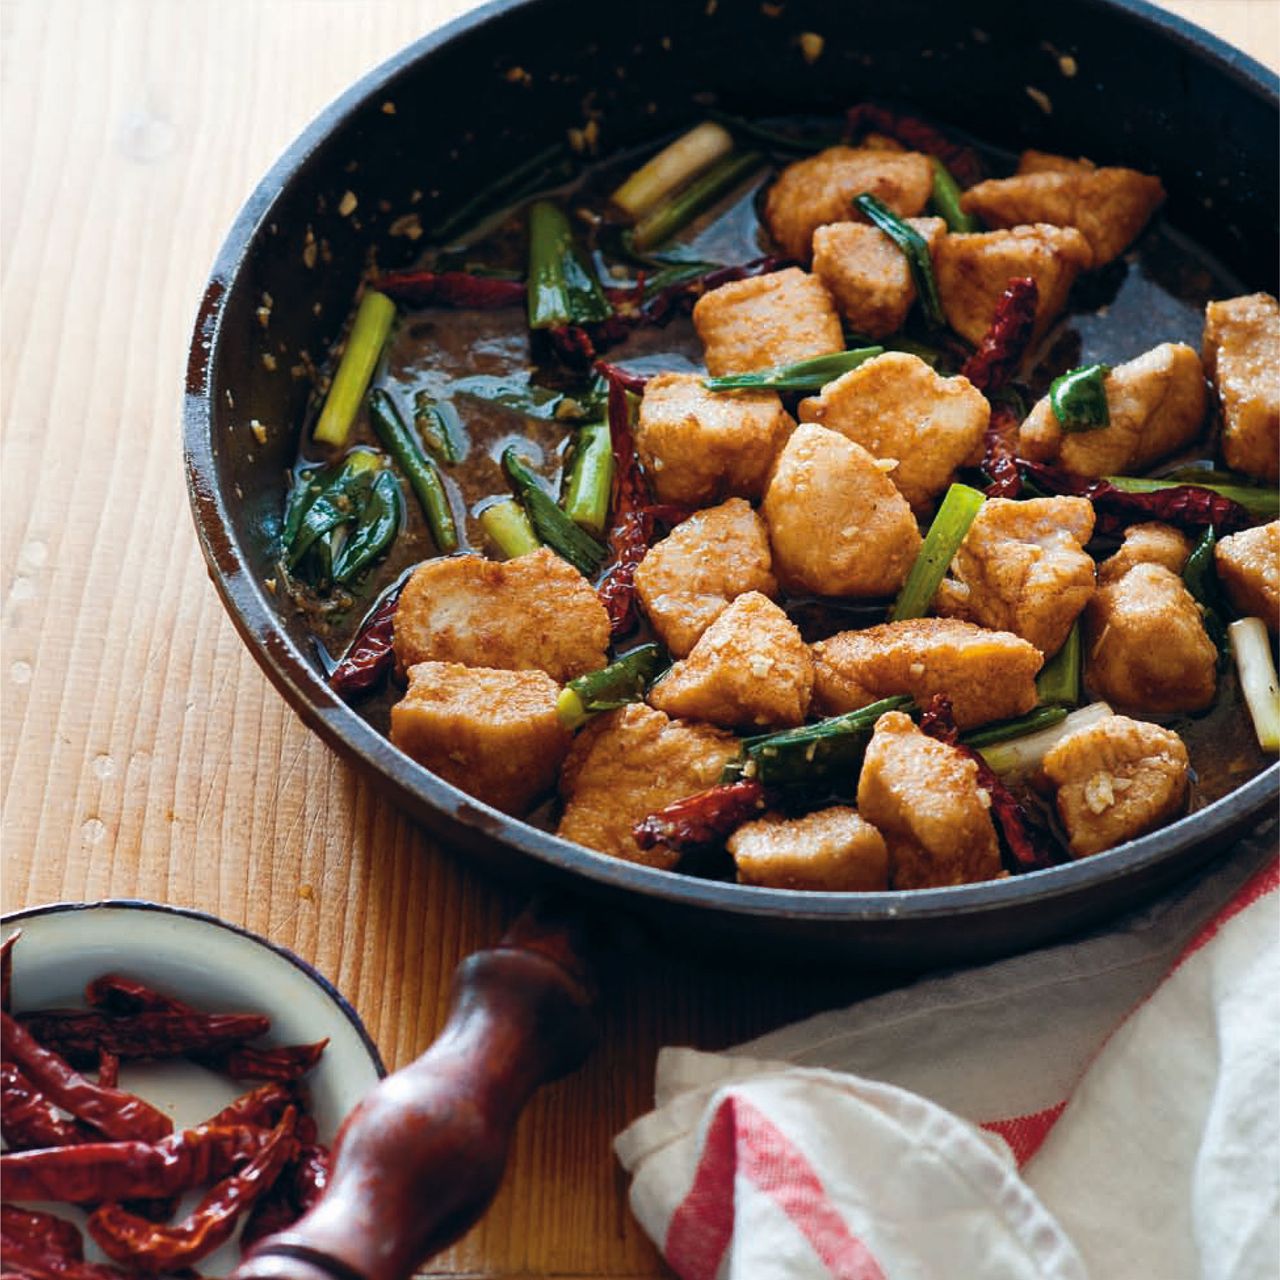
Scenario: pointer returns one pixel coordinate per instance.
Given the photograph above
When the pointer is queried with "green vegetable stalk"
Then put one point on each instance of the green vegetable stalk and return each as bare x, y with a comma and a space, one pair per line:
421, 472
1200, 574
916, 250
1262, 504
624, 680
1007, 730
957, 512
369, 334
804, 375
662, 222
507, 525
1058, 683
1258, 682
562, 287
586, 500
946, 200
551, 524
672, 168
1079, 398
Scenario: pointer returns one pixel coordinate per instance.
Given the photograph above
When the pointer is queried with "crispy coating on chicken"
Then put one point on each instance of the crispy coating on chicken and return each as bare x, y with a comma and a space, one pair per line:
1022, 568
1249, 570
700, 446
767, 320
833, 850
1156, 404
628, 764
750, 670
1151, 543
973, 270
1108, 206
492, 733
867, 274
686, 581
1032, 161
1242, 356
820, 189
533, 613
1146, 648
898, 409
1116, 780
837, 525
924, 798
988, 675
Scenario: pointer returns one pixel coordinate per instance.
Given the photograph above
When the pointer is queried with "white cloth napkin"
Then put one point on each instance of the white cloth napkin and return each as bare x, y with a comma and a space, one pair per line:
1105, 1108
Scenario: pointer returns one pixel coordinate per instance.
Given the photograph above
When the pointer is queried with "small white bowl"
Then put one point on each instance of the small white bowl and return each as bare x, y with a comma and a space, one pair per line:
218, 968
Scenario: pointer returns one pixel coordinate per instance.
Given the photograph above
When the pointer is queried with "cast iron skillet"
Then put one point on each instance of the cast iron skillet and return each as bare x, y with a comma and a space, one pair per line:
439, 120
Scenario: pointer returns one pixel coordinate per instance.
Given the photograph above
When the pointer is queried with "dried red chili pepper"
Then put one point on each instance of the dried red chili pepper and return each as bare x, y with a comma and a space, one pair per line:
44, 1247
1000, 457
148, 1247
56, 1234
6, 969
703, 819
274, 1211
112, 1111
305, 1130
262, 1106
370, 656
1025, 846
309, 1175
301, 1184
108, 1068
1187, 506
281, 1063
450, 289
80, 1034
992, 366
35, 1262
97, 1171
869, 117
28, 1119
625, 378
125, 995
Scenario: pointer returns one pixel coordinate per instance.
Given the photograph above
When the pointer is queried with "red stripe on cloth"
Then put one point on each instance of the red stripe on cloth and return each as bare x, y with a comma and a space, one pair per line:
1263, 881
1026, 1134
741, 1139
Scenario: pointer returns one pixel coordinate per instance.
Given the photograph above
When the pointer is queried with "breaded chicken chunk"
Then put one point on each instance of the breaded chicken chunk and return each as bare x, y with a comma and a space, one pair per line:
1150, 543
1031, 161
767, 320
628, 764
701, 446
819, 189
973, 270
494, 734
1156, 404
750, 669
533, 613
867, 274
897, 408
988, 675
924, 798
686, 581
833, 850
1116, 780
1242, 355
1145, 644
1109, 206
1022, 568
1249, 570
837, 525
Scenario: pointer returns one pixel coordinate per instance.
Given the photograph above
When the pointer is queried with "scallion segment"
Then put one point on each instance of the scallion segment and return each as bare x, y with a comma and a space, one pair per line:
1258, 681
827, 753
507, 525
551, 524
1017, 757
804, 375
1006, 730
915, 248
672, 168
323, 500
1262, 504
369, 334
946, 200
586, 500
1079, 398
1058, 683
562, 287
663, 221
957, 512
419, 470
624, 680
439, 427
1200, 574
375, 529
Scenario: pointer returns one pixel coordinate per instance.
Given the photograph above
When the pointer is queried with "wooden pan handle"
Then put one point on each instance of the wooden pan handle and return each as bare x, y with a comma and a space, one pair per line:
418, 1161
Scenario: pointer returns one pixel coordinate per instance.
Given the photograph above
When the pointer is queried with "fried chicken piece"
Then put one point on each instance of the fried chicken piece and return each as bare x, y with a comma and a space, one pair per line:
1242, 356
833, 850
1249, 570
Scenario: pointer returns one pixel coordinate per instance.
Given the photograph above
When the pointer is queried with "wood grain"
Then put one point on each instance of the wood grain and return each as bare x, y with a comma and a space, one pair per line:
142, 752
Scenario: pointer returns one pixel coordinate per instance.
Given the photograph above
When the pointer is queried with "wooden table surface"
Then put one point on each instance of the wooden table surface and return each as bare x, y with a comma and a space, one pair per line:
144, 753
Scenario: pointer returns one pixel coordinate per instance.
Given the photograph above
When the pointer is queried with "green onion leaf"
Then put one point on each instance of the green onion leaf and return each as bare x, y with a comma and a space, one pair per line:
804, 375
586, 500
675, 166
624, 680
507, 525
1200, 574
375, 529
1079, 398
337, 500
1059, 680
946, 200
562, 286
957, 512
1006, 730
421, 472
369, 333
551, 524
662, 222
914, 247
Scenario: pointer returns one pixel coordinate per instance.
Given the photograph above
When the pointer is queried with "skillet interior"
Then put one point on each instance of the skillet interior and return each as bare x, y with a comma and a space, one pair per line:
1147, 90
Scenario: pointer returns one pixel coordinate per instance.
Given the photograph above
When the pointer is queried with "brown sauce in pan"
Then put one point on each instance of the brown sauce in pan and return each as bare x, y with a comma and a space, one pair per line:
1154, 293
